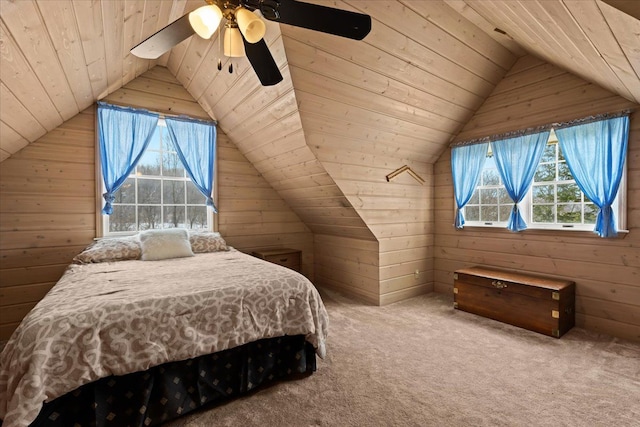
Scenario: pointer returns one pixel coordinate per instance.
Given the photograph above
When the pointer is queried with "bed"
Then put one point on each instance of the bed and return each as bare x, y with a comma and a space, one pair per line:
117, 339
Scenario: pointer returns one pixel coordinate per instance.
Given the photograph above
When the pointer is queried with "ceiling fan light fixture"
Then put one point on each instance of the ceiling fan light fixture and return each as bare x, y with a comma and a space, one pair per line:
252, 27
205, 20
233, 45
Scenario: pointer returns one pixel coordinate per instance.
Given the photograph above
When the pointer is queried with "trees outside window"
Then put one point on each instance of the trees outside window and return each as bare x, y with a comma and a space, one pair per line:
553, 201
158, 193
555, 196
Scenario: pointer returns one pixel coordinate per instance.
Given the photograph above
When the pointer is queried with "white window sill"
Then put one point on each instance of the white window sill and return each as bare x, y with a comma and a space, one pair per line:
540, 231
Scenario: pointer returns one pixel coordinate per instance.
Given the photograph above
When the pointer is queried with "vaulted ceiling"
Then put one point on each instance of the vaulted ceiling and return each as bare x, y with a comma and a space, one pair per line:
404, 92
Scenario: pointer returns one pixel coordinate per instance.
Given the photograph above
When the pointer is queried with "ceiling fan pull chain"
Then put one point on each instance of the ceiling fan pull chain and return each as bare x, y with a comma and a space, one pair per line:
219, 48
230, 50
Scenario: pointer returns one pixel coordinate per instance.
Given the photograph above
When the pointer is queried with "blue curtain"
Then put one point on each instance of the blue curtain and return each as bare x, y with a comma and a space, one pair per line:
517, 160
124, 134
195, 143
595, 153
466, 166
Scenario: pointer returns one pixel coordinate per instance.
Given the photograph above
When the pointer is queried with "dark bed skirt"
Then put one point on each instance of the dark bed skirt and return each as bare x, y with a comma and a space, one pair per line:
167, 391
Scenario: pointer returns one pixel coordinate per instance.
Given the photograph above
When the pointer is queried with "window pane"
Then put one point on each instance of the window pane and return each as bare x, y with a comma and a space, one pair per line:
545, 172
490, 177
489, 196
172, 166
503, 196
570, 213
149, 191
489, 213
173, 192
564, 174
560, 155
475, 199
543, 193
196, 216
569, 193
543, 213
590, 213
194, 196
174, 216
549, 153
149, 163
505, 211
126, 193
123, 218
148, 217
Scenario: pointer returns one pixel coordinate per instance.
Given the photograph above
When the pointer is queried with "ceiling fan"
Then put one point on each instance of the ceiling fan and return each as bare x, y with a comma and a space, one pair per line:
244, 30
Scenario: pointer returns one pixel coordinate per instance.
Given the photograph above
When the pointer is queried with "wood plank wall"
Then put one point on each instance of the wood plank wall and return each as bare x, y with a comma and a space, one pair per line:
48, 203
252, 214
264, 123
348, 265
347, 114
607, 271
47, 214
369, 107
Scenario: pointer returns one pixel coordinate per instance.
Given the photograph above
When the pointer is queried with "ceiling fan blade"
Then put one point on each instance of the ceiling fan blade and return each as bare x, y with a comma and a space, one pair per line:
330, 20
162, 41
262, 62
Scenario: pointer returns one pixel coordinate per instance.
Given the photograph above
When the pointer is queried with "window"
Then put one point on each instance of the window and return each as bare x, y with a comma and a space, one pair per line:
490, 202
555, 196
554, 200
158, 193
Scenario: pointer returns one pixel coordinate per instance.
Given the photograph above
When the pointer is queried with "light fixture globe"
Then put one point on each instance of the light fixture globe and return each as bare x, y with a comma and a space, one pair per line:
251, 26
233, 45
205, 20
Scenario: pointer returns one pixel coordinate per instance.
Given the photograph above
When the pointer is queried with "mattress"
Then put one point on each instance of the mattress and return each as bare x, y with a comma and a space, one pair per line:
123, 317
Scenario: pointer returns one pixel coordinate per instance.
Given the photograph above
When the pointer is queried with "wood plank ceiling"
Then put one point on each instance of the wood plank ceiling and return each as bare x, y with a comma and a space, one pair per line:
347, 112
59, 56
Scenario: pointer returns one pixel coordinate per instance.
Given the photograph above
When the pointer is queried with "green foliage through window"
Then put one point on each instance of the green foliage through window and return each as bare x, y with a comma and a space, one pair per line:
490, 201
554, 197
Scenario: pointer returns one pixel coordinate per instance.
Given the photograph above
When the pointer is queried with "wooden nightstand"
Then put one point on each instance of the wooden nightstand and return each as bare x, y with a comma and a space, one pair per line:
290, 258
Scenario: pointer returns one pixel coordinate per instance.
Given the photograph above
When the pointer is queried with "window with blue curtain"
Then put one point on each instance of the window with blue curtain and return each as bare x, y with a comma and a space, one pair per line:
124, 134
195, 143
568, 185
150, 181
595, 154
517, 159
466, 167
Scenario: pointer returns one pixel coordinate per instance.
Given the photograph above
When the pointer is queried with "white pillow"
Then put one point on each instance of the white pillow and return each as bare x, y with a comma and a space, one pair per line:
164, 244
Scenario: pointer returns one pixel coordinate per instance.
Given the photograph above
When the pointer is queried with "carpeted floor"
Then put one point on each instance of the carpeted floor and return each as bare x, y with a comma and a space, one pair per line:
421, 363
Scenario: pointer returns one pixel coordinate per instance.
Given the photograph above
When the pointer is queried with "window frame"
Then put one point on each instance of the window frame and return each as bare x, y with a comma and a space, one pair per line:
102, 220
526, 207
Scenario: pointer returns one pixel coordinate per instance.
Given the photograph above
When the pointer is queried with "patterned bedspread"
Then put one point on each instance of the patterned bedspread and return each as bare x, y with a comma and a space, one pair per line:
117, 318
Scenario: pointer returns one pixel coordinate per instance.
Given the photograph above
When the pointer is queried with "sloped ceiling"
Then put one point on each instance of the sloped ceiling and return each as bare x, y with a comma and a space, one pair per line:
59, 56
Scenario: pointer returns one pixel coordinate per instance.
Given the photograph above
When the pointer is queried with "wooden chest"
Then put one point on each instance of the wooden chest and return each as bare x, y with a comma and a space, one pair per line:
290, 258
537, 303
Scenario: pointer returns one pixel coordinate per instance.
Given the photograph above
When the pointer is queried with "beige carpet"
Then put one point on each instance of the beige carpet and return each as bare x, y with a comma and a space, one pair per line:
421, 363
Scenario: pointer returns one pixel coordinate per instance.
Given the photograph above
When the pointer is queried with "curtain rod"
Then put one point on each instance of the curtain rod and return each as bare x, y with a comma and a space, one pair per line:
160, 114
542, 128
